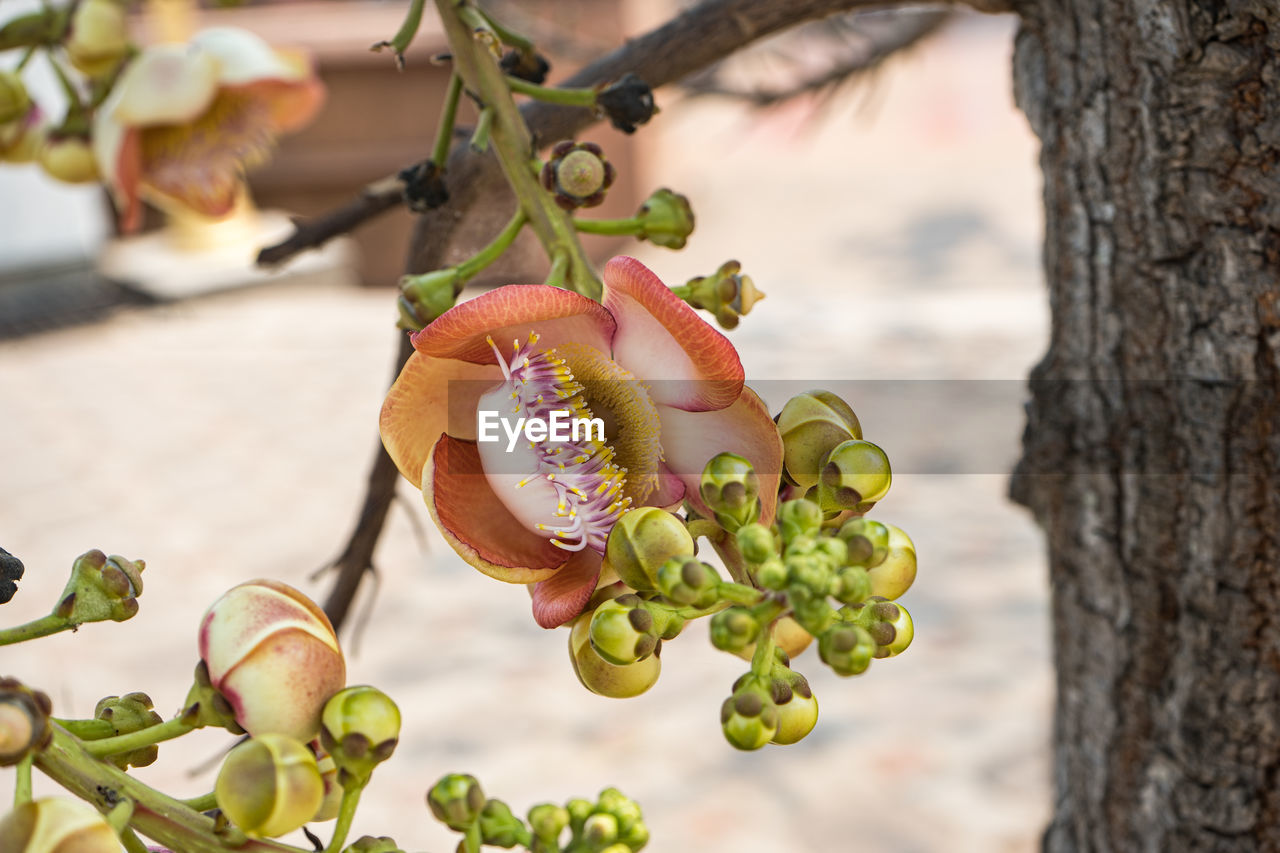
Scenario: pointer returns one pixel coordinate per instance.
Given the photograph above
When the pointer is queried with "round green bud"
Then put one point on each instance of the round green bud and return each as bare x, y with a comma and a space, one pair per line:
127, 714
269, 785
798, 714
853, 584
498, 826
580, 173
577, 174
641, 541
757, 543
666, 219
360, 727
834, 549
579, 810
600, 830
371, 844
726, 293
429, 295
846, 648
811, 572
893, 631
57, 825
734, 629
622, 634
772, 574
856, 473
799, 518
547, 822
631, 829
14, 100
867, 541
456, 801
749, 718
689, 582
811, 424
813, 613
731, 490
895, 573
604, 678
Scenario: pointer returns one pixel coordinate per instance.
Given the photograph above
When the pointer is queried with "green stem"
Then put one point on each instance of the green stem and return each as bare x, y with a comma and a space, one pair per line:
612, 227
508, 36
119, 815
480, 136
559, 266
408, 29
512, 142
42, 627
87, 729
726, 545
473, 838
167, 730
346, 813
738, 593
553, 95
448, 115
202, 803
75, 106
762, 659
22, 783
132, 843
472, 266
696, 613
155, 815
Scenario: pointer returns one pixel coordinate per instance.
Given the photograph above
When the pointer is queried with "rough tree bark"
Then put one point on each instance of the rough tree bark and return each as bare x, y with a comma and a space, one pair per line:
1151, 455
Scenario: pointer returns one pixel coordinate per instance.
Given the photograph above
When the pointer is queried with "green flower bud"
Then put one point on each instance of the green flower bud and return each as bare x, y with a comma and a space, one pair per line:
856, 472
811, 572
853, 584
666, 219
867, 541
578, 174
726, 293
813, 613
600, 830
631, 829
501, 828
811, 424
547, 822
749, 718
425, 297
456, 801
797, 710
895, 573
757, 543
734, 629
269, 785
205, 706
623, 632
731, 490
22, 140
604, 678
772, 574
98, 37
127, 714
68, 157
14, 100
799, 518
360, 727
579, 810
890, 626
370, 844
690, 582
833, 549
846, 648
641, 541
101, 588
57, 825
788, 636
24, 721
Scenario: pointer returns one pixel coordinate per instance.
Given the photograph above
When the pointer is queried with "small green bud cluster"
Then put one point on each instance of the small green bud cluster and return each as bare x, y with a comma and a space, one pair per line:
665, 219
130, 713
611, 824
726, 293
731, 490
101, 588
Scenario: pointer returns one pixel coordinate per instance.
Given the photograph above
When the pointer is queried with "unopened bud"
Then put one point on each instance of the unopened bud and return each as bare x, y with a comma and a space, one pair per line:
726, 293
425, 297
604, 678
98, 37
666, 219
68, 158
600, 830
846, 648
798, 714
856, 472
757, 543
731, 490
456, 801
14, 100
22, 140
24, 721
547, 821
578, 174
641, 541
101, 588
734, 629
623, 633
811, 425
749, 718
894, 631
893, 575
57, 825
269, 785
360, 727
127, 714
799, 518
853, 584
499, 827
371, 844
688, 581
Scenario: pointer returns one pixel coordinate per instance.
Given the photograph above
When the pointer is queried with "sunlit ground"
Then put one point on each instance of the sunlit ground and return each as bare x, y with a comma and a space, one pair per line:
896, 232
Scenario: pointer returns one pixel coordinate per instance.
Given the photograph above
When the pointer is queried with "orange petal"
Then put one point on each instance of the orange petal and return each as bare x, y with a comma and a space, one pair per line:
690, 439
431, 396
510, 313
475, 522
562, 596
686, 363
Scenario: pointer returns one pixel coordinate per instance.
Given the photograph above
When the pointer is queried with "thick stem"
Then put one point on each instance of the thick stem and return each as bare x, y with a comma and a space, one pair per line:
448, 116
42, 627
22, 782
553, 94
88, 729
346, 813
611, 227
136, 740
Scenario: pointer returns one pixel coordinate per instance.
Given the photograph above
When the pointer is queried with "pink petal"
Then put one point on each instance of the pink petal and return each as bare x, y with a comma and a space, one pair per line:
670, 491
510, 313
431, 396
475, 522
562, 596
686, 363
690, 439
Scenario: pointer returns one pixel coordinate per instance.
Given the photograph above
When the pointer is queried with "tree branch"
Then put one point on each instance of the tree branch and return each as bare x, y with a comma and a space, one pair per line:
378, 197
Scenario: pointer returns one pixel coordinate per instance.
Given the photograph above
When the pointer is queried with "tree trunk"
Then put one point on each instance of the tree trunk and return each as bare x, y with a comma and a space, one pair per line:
1151, 450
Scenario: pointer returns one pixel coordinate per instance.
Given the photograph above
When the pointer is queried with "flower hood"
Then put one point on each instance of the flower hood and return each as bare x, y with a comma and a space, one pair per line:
668, 388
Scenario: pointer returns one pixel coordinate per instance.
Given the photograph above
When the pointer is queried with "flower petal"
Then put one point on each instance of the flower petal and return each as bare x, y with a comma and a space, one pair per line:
687, 363
670, 490
431, 396
511, 313
243, 57
475, 522
118, 150
690, 439
562, 596
166, 84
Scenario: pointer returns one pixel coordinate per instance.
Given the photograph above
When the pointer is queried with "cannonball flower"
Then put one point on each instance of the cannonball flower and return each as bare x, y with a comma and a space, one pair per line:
667, 387
184, 121
273, 655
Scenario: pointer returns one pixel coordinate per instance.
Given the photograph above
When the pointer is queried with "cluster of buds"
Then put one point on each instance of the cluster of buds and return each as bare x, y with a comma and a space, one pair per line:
726, 293
130, 713
101, 588
611, 824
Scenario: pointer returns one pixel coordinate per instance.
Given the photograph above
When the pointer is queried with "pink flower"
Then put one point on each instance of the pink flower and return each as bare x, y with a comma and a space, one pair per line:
184, 121
668, 387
